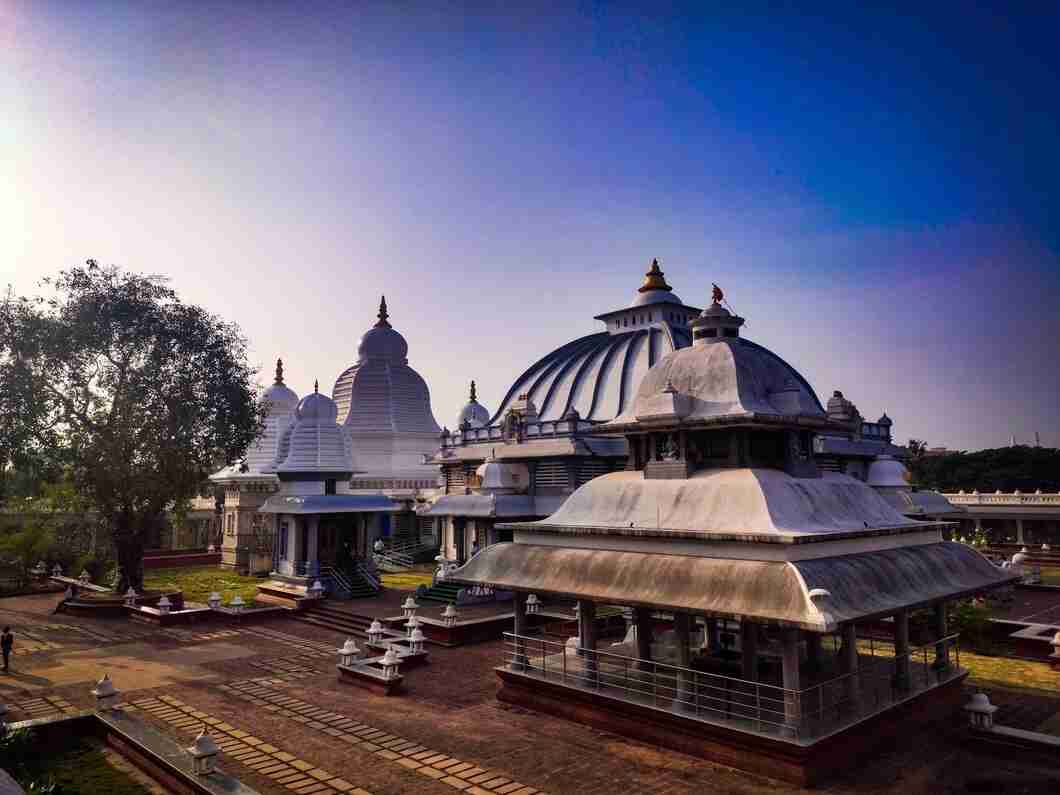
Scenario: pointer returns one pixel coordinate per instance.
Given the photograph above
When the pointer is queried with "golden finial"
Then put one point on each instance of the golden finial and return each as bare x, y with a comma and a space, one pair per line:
654, 280
473, 398
383, 314
279, 371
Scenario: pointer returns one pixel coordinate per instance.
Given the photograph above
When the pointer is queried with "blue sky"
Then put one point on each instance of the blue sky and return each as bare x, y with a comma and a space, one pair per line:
876, 191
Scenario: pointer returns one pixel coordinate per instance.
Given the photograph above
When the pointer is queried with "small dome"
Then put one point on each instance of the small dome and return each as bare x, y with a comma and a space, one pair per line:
314, 442
279, 398
317, 408
715, 310
501, 478
654, 289
884, 420
382, 342
887, 472
655, 297
473, 413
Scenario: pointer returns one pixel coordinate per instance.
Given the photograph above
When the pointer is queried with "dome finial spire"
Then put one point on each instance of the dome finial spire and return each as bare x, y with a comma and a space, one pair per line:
654, 279
279, 371
473, 398
383, 314
316, 386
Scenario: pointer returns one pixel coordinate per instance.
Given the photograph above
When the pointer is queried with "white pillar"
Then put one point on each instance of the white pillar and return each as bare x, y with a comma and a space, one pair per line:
790, 663
519, 648
1019, 532
587, 637
311, 557
942, 652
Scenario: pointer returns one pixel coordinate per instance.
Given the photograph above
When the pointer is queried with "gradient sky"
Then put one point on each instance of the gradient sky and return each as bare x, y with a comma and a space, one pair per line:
876, 193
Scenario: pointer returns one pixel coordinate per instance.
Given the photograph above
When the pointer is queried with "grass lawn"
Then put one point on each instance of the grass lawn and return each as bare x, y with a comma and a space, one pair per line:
406, 581
990, 672
198, 581
1050, 575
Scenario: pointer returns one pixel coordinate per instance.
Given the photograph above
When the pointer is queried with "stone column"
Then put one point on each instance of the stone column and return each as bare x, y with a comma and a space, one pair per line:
643, 623
685, 680
312, 560
1019, 532
978, 524
749, 649
713, 637
901, 649
850, 665
587, 638
942, 651
790, 663
519, 660
295, 552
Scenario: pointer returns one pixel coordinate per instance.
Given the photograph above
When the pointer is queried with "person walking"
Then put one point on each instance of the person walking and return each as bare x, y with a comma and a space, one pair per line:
7, 640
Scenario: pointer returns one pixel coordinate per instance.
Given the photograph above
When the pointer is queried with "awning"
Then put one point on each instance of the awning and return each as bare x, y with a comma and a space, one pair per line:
494, 506
329, 503
862, 586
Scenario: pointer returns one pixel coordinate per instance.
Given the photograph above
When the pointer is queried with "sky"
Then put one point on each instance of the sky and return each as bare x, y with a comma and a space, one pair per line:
876, 191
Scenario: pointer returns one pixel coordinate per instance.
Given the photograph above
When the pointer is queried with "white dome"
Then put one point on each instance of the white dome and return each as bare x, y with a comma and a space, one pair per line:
503, 478
655, 297
730, 377
280, 403
314, 442
887, 472
473, 413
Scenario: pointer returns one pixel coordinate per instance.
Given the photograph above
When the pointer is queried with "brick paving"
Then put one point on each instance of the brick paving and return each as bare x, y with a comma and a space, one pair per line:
273, 691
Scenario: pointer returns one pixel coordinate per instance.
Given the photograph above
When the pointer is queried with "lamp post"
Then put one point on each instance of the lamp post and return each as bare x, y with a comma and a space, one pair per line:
130, 597
164, 605
411, 625
57, 570
533, 604
213, 600
980, 712
84, 578
416, 641
316, 590
106, 694
348, 653
237, 604
203, 753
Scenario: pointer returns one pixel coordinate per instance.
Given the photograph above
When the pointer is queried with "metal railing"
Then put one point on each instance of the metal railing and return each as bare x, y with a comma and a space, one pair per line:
759, 706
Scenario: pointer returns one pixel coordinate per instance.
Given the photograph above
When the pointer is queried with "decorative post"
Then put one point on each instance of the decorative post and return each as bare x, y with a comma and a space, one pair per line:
409, 607
130, 597
40, 571
1054, 658
390, 663
106, 694
411, 625
164, 605
203, 753
237, 604
980, 712
213, 600
348, 653
416, 641
533, 604
57, 570
84, 578
375, 632
316, 590
449, 615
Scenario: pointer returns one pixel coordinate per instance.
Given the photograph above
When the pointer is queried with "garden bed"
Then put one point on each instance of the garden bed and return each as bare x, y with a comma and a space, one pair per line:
197, 583
82, 768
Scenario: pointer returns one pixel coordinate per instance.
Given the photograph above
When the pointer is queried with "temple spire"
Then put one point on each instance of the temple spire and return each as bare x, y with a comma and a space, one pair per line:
473, 398
383, 314
654, 279
279, 371
316, 386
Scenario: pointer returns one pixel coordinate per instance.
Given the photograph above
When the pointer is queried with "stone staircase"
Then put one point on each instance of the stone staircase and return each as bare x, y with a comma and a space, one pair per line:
330, 616
439, 592
353, 583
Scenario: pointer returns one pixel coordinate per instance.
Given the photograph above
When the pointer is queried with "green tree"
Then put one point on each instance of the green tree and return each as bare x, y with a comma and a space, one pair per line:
139, 393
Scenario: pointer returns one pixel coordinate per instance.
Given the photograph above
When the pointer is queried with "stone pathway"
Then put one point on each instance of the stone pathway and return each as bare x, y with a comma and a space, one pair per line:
461, 775
297, 775
42, 707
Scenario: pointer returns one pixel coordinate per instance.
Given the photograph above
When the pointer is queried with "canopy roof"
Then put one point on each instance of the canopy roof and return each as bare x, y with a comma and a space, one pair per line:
330, 503
861, 586
500, 505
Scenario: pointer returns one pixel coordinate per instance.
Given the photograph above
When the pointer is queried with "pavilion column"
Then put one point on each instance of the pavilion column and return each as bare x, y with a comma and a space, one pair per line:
813, 650
749, 649
901, 649
312, 561
942, 651
685, 683
713, 637
790, 663
642, 621
519, 660
978, 524
295, 551
587, 637
850, 665
1019, 532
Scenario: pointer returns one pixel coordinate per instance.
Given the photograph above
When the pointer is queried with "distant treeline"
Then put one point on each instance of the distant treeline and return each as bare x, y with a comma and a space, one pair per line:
1005, 468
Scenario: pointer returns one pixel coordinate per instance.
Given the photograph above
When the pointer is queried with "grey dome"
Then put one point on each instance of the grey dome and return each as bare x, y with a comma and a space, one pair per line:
594, 375
655, 297
729, 377
381, 392
317, 407
314, 442
474, 414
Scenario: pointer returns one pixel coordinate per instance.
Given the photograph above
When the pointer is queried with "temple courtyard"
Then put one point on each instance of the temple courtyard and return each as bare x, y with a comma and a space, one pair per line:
286, 724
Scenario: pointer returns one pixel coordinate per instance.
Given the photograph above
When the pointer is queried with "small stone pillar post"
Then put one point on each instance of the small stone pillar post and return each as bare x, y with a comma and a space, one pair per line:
850, 665
685, 680
790, 663
749, 649
643, 623
519, 660
901, 649
587, 637
942, 649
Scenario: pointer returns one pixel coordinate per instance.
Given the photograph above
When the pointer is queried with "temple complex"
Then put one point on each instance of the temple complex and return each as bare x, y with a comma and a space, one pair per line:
537, 448
749, 567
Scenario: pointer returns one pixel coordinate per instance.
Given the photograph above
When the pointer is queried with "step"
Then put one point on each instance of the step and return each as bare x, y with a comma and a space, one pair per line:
342, 629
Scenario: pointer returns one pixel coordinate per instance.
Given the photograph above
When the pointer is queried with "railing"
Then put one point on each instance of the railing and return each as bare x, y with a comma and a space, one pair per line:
367, 575
757, 706
338, 577
530, 430
1003, 499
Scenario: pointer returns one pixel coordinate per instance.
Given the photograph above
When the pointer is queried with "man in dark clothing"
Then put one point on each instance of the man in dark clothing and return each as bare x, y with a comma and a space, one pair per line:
7, 640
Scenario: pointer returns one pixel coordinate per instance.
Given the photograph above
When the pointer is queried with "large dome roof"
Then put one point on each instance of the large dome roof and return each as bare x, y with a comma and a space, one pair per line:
381, 393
